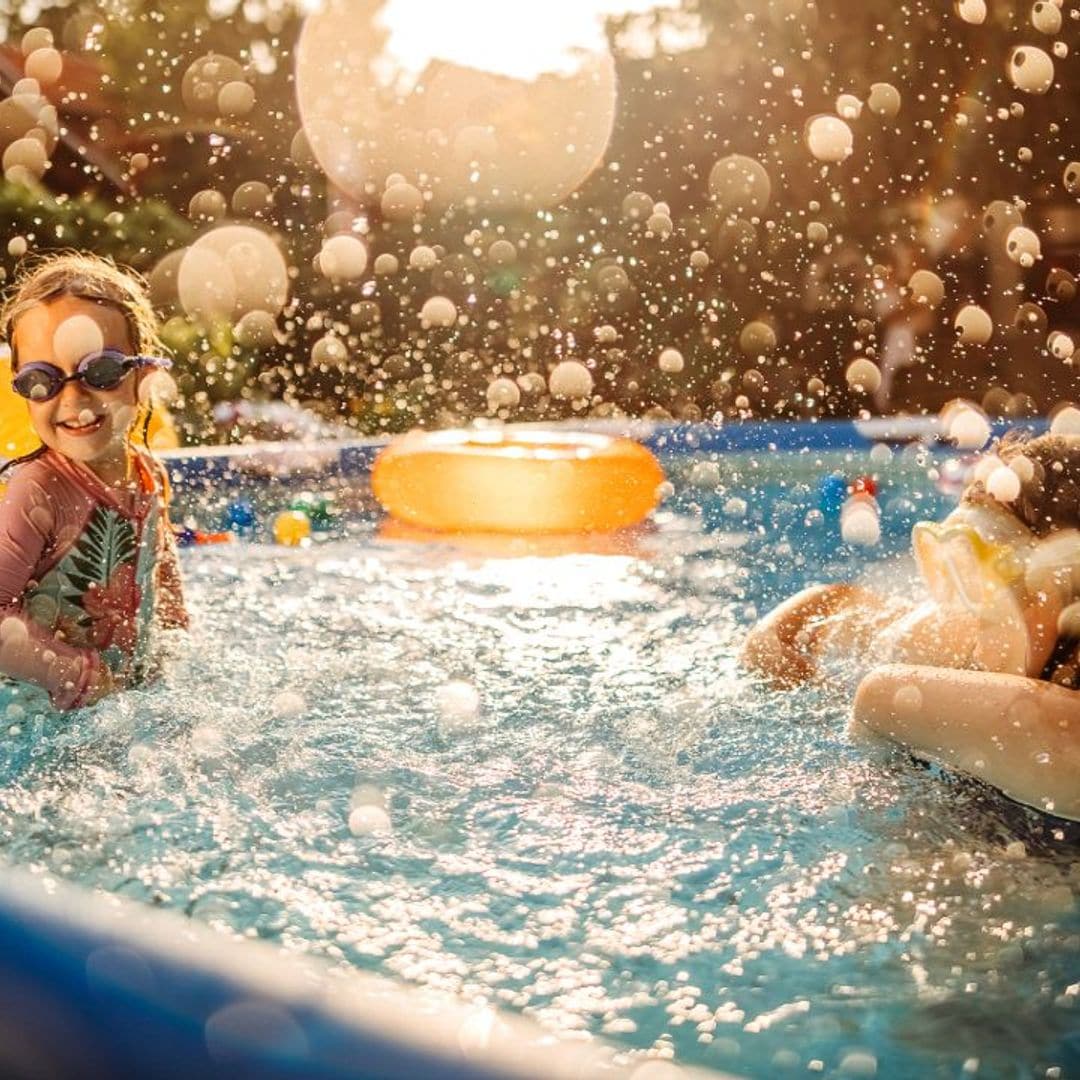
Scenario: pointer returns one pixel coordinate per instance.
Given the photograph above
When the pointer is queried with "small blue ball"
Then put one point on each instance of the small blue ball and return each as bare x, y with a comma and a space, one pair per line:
832, 492
240, 516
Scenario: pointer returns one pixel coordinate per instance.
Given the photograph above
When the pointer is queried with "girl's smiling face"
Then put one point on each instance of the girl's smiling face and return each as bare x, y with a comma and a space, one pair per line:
80, 422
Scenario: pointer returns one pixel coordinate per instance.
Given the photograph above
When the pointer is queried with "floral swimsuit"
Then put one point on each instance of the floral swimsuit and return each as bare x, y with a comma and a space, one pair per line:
86, 573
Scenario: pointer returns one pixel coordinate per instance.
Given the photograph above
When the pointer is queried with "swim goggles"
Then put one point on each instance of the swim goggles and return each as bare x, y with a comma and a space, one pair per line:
104, 370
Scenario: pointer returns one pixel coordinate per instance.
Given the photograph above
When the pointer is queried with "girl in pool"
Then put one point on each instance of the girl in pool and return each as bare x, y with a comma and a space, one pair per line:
982, 675
88, 562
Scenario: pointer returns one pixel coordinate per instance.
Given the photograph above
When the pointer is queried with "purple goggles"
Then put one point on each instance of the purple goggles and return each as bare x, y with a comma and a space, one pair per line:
104, 370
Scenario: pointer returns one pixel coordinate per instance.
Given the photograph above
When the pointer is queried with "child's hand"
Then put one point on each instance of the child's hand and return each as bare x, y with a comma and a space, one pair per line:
104, 684
785, 647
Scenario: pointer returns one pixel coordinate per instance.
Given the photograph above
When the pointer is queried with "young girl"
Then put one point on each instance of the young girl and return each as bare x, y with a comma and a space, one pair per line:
87, 558
1003, 579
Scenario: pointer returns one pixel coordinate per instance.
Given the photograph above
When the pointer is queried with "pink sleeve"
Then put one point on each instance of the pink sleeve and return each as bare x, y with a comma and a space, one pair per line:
29, 651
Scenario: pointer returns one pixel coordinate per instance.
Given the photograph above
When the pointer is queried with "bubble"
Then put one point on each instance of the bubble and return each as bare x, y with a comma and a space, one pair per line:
973, 325
908, 700
884, 99
1029, 316
502, 253
438, 311
204, 80
999, 217
848, 107
76, 337
28, 155
500, 116
927, 288
570, 380
829, 139
659, 225
1060, 49
637, 206
863, 375
158, 389
1061, 345
1003, 484
1061, 285
1030, 69
369, 820
740, 185
1071, 178
606, 335
386, 264
457, 703
256, 330
735, 507
251, 198
861, 1063
235, 99
699, 260
423, 257
329, 351
968, 428
670, 361
401, 202
343, 258
972, 11
817, 233
757, 338
230, 271
503, 394
1046, 17
207, 205
17, 247
288, 704
1066, 421
45, 65
1022, 245
38, 37
139, 163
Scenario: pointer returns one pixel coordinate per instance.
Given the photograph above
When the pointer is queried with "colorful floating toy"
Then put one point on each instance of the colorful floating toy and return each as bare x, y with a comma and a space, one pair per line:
518, 480
292, 528
186, 537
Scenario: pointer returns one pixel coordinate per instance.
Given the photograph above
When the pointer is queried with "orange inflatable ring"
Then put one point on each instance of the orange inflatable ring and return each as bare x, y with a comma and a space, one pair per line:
516, 481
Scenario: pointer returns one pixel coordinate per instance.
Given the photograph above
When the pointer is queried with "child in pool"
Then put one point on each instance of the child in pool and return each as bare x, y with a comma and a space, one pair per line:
1001, 576
88, 562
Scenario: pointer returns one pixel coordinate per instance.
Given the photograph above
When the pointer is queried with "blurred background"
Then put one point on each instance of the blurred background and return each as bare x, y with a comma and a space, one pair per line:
360, 216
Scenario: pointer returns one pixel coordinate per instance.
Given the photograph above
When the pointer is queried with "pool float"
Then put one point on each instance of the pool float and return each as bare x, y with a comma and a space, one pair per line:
17, 437
517, 480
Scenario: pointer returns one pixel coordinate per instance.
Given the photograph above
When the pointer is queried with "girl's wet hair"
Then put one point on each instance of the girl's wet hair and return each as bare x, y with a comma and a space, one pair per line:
86, 277
1050, 499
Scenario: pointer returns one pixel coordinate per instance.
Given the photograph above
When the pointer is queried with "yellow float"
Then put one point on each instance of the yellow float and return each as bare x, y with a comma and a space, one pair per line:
17, 436
516, 481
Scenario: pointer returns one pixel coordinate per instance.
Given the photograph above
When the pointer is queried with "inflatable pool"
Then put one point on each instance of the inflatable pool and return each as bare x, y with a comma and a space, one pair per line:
407, 806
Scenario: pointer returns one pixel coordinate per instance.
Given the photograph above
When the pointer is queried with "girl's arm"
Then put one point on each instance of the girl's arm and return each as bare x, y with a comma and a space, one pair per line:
1021, 735
29, 651
790, 644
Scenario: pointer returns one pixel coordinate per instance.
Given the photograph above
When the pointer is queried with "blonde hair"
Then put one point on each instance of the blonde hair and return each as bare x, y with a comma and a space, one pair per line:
1049, 497
85, 277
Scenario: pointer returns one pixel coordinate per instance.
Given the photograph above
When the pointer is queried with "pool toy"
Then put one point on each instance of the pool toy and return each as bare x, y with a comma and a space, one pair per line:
186, 537
518, 480
318, 508
240, 516
292, 528
832, 493
17, 437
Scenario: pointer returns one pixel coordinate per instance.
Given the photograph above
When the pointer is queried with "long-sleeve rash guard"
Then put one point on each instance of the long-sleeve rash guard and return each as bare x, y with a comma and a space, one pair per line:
86, 572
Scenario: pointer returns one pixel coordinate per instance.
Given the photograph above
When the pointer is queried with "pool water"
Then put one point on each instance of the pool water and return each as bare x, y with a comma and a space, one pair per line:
539, 778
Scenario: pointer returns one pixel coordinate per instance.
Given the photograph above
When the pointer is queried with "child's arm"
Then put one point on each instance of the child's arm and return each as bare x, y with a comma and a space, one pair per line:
790, 643
29, 652
1021, 735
